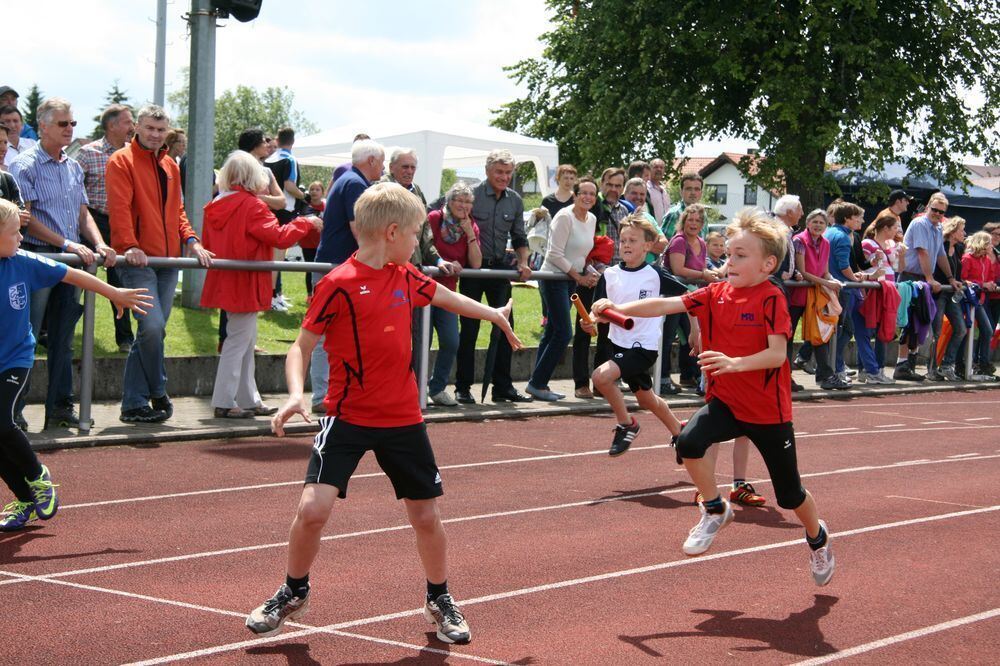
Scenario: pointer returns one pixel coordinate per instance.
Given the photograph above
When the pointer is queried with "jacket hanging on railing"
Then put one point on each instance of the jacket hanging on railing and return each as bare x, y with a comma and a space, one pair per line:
905, 290
880, 309
923, 312
819, 321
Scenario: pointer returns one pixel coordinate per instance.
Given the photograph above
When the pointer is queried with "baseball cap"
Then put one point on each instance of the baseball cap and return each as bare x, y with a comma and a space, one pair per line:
894, 196
7, 89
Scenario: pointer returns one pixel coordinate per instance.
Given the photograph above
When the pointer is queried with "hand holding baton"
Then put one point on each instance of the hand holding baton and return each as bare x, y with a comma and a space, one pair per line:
584, 315
618, 319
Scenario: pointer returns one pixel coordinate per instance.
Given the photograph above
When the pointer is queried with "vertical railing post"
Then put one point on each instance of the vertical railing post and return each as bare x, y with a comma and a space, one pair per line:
87, 358
423, 366
969, 348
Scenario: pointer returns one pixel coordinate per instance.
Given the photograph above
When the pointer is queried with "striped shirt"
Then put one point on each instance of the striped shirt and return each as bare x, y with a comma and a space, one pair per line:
54, 189
93, 159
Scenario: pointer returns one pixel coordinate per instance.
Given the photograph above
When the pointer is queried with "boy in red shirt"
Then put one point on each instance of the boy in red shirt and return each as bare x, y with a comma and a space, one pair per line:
364, 309
743, 324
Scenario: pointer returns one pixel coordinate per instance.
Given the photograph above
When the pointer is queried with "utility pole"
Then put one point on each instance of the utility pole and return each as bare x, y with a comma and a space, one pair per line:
161, 52
201, 130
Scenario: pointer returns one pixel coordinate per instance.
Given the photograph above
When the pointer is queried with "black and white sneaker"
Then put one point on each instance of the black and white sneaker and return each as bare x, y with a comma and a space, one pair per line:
266, 620
451, 624
163, 404
144, 414
623, 438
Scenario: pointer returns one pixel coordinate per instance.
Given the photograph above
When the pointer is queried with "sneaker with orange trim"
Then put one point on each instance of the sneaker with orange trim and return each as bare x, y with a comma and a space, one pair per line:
743, 493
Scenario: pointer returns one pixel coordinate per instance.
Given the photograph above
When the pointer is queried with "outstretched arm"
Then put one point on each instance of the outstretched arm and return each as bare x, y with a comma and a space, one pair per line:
137, 300
296, 363
466, 307
647, 307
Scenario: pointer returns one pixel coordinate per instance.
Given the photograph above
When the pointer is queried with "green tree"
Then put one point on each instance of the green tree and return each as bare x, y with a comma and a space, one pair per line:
114, 96
178, 100
32, 101
448, 178
861, 81
269, 109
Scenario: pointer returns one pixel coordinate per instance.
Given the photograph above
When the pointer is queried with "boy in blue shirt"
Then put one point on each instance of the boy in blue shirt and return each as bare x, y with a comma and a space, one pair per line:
21, 273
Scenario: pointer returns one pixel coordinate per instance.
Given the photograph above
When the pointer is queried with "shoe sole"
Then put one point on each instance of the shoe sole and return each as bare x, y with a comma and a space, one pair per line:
443, 637
277, 630
731, 518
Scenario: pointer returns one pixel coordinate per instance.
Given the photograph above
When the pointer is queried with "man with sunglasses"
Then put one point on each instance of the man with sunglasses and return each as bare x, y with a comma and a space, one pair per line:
924, 250
52, 188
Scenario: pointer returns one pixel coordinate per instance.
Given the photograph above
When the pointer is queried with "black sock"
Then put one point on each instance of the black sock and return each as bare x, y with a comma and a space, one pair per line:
819, 541
435, 590
911, 359
738, 482
714, 506
298, 586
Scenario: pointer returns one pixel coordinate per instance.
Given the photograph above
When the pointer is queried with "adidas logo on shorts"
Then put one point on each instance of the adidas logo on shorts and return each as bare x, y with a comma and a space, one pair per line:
437, 478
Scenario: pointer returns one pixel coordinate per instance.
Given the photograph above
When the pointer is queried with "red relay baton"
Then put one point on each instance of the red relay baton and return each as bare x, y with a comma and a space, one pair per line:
618, 319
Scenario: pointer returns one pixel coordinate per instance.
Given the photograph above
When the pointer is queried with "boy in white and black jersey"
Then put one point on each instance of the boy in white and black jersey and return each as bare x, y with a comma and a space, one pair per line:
634, 352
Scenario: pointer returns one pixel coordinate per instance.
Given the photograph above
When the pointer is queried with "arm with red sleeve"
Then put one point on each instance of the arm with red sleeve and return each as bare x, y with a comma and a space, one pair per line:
464, 306
263, 225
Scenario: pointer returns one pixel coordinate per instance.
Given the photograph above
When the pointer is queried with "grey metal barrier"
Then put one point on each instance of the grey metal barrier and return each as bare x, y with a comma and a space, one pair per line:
423, 365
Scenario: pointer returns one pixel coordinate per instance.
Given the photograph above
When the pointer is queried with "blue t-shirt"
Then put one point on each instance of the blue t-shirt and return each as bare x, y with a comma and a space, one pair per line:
841, 241
923, 234
20, 275
337, 243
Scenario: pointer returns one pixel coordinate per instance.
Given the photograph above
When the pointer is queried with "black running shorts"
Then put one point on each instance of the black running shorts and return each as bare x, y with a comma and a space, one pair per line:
404, 454
634, 364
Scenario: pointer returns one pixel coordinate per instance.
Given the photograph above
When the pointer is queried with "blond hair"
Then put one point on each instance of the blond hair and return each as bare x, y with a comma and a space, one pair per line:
641, 222
978, 244
951, 225
241, 169
937, 196
754, 222
383, 204
10, 211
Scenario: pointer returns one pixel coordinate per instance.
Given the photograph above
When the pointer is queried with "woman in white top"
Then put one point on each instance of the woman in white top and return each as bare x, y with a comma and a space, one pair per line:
571, 238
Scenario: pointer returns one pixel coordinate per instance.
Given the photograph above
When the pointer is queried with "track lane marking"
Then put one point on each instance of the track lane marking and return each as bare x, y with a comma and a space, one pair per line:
573, 582
529, 448
900, 638
924, 499
464, 519
485, 463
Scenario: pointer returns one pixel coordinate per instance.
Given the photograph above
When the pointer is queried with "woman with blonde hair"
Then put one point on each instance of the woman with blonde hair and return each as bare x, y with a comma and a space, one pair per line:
978, 269
238, 225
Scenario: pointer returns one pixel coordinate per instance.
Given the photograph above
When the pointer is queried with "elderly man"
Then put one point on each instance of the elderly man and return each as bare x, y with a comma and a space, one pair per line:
658, 199
17, 144
788, 209
148, 220
53, 192
499, 212
9, 97
338, 240
118, 127
402, 169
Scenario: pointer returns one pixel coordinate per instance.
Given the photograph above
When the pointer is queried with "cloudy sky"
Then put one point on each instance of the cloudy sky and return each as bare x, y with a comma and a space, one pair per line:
346, 62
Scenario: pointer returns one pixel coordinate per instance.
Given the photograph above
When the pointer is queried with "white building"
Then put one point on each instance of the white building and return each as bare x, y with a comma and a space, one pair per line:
728, 190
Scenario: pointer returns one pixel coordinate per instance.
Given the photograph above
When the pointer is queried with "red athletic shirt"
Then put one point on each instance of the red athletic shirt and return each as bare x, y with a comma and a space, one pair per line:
366, 315
737, 322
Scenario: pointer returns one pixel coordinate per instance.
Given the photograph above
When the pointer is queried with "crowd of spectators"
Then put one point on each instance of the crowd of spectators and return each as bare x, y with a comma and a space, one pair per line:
120, 201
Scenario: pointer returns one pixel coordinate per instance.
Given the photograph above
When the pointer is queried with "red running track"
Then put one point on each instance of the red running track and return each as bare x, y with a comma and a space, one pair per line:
559, 554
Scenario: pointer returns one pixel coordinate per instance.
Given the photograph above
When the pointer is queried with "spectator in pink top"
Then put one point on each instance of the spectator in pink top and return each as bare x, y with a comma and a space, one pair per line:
456, 238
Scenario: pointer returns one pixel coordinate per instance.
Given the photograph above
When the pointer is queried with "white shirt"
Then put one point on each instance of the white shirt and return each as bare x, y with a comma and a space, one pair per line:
659, 199
570, 241
23, 145
624, 285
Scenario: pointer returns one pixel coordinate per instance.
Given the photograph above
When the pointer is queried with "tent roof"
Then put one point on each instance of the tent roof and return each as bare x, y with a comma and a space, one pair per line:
899, 176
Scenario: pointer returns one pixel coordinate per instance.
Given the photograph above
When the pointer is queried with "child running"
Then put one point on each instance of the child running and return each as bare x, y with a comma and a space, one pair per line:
364, 309
744, 325
20, 274
634, 352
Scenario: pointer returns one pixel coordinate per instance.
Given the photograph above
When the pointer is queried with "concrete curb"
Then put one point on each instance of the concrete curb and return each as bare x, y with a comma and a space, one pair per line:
474, 413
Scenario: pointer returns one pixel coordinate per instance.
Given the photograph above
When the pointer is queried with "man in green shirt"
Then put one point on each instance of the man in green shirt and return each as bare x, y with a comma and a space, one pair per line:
691, 190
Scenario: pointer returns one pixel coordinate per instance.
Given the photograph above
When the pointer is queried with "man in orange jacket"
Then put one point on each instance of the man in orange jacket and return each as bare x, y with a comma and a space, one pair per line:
147, 220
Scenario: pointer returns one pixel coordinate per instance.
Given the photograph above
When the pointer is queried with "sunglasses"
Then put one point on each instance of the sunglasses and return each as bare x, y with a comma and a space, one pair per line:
939, 211
66, 123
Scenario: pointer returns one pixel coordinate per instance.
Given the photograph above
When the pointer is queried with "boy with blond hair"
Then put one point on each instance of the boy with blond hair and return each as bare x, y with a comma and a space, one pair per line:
363, 309
633, 352
744, 325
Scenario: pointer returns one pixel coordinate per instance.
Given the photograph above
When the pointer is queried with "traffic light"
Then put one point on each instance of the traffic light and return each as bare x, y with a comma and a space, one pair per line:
241, 10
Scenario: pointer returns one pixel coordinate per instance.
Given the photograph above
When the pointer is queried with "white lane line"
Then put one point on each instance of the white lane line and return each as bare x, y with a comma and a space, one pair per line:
840, 405
305, 629
528, 448
963, 455
489, 463
938, 422
464, 519
981, 418
841, 429
890, 425
574, 582
924, 499
900, 638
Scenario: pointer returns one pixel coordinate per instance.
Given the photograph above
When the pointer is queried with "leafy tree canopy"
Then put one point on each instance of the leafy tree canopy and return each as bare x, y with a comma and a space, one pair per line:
862, 81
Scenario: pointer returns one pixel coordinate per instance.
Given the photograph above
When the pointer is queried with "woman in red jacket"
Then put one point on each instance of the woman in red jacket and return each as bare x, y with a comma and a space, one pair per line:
238, 225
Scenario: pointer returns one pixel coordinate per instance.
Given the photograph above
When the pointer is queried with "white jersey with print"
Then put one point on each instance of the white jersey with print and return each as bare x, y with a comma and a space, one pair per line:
623, 285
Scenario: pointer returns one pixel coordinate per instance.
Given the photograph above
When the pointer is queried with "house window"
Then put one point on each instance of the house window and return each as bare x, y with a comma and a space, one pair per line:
716, 194
749, 195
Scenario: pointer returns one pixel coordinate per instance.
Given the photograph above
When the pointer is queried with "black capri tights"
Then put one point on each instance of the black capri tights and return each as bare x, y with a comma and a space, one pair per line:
18, 462
715, 423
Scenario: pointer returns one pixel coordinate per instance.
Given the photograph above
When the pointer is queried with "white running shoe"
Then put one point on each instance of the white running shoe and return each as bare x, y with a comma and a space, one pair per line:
880, 378
821, 561
702, 534
277, 305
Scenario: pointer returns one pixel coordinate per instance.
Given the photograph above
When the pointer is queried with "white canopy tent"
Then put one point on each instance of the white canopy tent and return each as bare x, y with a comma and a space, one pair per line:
440, 143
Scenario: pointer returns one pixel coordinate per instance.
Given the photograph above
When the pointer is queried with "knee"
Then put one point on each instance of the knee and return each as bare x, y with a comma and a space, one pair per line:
312, 515
425, 519
790, 498
691, 446
603, 376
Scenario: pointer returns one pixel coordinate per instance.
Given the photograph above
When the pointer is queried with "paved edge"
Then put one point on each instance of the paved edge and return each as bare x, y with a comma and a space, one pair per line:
596, 407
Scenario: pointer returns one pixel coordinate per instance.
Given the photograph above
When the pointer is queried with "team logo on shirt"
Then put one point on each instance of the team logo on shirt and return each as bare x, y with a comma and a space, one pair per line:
364, 290
18, 295
645, 293
398, 298
746, 316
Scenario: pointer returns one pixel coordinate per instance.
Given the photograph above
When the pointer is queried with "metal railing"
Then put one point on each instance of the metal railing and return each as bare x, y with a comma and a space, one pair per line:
423, 364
